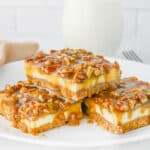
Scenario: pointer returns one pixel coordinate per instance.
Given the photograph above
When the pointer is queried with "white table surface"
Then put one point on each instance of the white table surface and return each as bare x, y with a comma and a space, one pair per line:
6, 144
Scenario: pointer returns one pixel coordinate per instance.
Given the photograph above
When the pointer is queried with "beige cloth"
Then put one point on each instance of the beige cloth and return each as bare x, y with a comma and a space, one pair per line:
13, 51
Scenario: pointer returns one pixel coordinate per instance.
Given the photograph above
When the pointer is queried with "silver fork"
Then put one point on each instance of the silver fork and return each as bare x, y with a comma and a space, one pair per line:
131, 55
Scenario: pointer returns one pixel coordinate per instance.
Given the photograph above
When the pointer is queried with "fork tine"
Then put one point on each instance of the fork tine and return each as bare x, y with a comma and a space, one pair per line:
124, 54
127, 56
132, 55
137, 57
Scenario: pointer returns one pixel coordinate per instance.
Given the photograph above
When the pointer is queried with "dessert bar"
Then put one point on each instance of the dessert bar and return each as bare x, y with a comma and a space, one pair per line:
72, 74
34, 110
124, 107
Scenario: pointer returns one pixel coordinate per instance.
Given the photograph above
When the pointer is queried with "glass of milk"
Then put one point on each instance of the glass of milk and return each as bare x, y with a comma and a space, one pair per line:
94, 25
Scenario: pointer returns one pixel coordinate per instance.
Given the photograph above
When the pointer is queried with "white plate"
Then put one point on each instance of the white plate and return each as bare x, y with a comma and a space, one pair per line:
85, 135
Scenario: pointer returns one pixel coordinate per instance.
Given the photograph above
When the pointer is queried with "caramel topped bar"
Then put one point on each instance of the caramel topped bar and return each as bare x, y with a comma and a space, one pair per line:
125, 106
73, 74
34, 110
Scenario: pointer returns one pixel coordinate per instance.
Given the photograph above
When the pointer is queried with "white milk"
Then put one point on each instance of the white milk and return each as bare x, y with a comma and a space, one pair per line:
93, 24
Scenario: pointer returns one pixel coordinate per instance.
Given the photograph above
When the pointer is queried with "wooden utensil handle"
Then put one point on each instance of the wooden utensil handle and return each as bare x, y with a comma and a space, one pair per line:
16, 51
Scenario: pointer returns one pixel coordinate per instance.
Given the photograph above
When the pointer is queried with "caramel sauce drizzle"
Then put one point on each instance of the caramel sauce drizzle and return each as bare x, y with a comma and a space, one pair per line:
119, 116
142, 110
130, 114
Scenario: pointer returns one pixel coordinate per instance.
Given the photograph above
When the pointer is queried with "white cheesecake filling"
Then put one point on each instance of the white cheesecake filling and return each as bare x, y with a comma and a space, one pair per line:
74, 87
125, 117
42, 121
39, 122
50, 118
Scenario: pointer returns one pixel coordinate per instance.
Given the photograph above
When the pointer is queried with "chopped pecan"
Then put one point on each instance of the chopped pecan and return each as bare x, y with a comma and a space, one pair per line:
48, 62
79, 77
93, 64
52, 51
114, 93
116, 65
97, 72
142, 97
122, 105
73, 57
132, 103
99, 100
74, 119
87, 58
89, 71
60, 104
28, 60
78, 68
148, 94
41, 98
107, 67
9, 89
49, 69
100, 56
106, 104
65, 72
98, 65
67, 61
40, 55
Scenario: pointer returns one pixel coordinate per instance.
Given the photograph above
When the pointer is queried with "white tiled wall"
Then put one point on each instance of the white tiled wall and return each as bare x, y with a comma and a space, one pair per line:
39, 20
42, 20
137, 26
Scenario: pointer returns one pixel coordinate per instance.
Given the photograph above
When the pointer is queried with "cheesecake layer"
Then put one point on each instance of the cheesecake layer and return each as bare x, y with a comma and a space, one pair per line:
57, 81
121, 105
76, 71
34, 110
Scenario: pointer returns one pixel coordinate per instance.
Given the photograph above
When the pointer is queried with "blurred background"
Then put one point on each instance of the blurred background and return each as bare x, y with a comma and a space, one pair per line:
41, 20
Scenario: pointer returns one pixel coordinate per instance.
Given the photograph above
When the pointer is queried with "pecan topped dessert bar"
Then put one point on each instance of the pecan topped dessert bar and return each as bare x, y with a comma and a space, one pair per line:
72, 74
124, 107
34, 110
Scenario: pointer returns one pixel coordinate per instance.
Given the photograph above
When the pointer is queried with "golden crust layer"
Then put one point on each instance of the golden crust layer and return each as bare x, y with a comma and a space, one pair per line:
35, 131
68, 95
132, 125
73, 120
